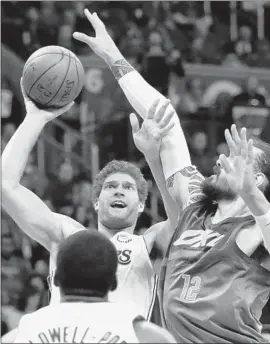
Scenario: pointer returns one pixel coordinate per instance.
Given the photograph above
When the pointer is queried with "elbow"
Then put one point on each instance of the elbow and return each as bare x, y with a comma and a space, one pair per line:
7, 186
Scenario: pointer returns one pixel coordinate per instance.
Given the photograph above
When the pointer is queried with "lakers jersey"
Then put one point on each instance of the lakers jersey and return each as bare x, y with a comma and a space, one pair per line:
79, 322
137, 282
136, 278
210, 291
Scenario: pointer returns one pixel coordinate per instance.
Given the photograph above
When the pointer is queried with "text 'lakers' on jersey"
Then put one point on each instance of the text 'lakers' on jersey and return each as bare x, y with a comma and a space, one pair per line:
209, 289
136, 278
78, 322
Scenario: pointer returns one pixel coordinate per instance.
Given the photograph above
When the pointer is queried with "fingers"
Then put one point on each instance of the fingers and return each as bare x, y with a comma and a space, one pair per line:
236, 136
63, 109
94, 19
231, 144
166, 129
225, 163
26, 98
153, 109
243, 135
82, 37
166, 119
161, 112
134, 123
250, 151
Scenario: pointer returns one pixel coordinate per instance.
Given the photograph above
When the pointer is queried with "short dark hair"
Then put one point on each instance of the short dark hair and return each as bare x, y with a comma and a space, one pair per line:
263, 163
86, 264
119, 166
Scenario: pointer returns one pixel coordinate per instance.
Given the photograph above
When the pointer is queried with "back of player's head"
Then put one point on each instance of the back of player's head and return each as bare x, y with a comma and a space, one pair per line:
263, 163
86, 264
118, 166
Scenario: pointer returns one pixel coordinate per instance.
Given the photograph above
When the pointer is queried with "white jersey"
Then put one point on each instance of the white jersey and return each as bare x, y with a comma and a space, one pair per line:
79, 322
135, 274
136, 278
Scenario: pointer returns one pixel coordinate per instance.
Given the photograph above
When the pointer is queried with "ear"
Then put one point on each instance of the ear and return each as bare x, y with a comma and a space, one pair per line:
260, 178
96, 206
114, 284
141, 207
55, 279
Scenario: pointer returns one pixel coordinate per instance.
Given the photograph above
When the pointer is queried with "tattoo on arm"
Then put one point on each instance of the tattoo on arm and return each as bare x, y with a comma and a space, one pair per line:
170, 181
188, 171
121, 68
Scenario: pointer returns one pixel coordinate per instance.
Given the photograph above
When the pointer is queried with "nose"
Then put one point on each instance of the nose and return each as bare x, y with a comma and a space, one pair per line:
119, 191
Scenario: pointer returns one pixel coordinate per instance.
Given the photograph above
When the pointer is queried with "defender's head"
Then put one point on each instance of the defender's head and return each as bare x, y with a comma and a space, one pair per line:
217, 188
86, 265
119, 194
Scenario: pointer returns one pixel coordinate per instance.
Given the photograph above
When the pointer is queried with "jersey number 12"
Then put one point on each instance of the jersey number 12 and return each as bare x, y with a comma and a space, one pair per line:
191, 288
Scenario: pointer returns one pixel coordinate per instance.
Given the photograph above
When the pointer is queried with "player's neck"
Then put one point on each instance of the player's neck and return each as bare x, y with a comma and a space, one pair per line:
109, 233
225, 209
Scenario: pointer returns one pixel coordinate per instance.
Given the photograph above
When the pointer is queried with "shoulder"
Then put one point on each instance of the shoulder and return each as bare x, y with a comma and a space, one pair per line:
148, 332
68, 225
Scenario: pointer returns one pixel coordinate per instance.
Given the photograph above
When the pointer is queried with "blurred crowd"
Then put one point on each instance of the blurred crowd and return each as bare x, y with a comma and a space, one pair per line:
153, 36
200, 33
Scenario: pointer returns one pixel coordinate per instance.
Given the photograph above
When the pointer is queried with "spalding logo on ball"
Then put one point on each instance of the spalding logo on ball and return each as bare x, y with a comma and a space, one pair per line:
53, 76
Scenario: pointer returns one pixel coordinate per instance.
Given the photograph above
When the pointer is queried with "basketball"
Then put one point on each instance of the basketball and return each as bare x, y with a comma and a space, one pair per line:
53, 77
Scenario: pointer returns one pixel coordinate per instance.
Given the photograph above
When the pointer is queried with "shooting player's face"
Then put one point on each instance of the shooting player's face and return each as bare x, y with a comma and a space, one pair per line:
118, 205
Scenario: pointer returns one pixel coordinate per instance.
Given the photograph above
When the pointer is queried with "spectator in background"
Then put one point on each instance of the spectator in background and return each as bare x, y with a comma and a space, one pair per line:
132, 45
244, 45
7, 132
66, 29
48, 23
66, 207
200, 153
192, 98
251, 97
232, 60
60, 190
261, 58
157, 63
30, 36
35, 293
10, 314
14, 269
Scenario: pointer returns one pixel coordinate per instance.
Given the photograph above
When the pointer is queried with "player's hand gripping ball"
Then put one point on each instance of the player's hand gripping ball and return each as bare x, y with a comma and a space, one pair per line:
53, 77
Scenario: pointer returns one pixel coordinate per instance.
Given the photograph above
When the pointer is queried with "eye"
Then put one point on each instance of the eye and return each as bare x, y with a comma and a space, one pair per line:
110, 186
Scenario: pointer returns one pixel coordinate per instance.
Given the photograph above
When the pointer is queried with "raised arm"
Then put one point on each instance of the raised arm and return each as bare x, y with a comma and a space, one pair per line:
26, 209
246, 182
148, 140
174, 152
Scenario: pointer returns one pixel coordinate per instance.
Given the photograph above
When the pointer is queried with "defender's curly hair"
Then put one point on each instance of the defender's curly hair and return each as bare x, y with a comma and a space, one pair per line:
119, 166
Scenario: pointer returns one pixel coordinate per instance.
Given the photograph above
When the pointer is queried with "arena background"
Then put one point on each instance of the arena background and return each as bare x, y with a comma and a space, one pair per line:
224, 50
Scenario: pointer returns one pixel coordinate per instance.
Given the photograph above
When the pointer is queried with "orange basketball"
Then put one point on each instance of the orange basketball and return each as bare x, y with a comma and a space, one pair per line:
53, 76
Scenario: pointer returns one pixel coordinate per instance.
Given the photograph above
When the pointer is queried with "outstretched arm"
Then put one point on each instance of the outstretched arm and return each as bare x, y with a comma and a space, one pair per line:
247, 183
26, 209
174, 152
147, 139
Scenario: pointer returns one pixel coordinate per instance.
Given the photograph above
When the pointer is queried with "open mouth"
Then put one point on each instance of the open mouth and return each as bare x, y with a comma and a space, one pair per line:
118, 205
